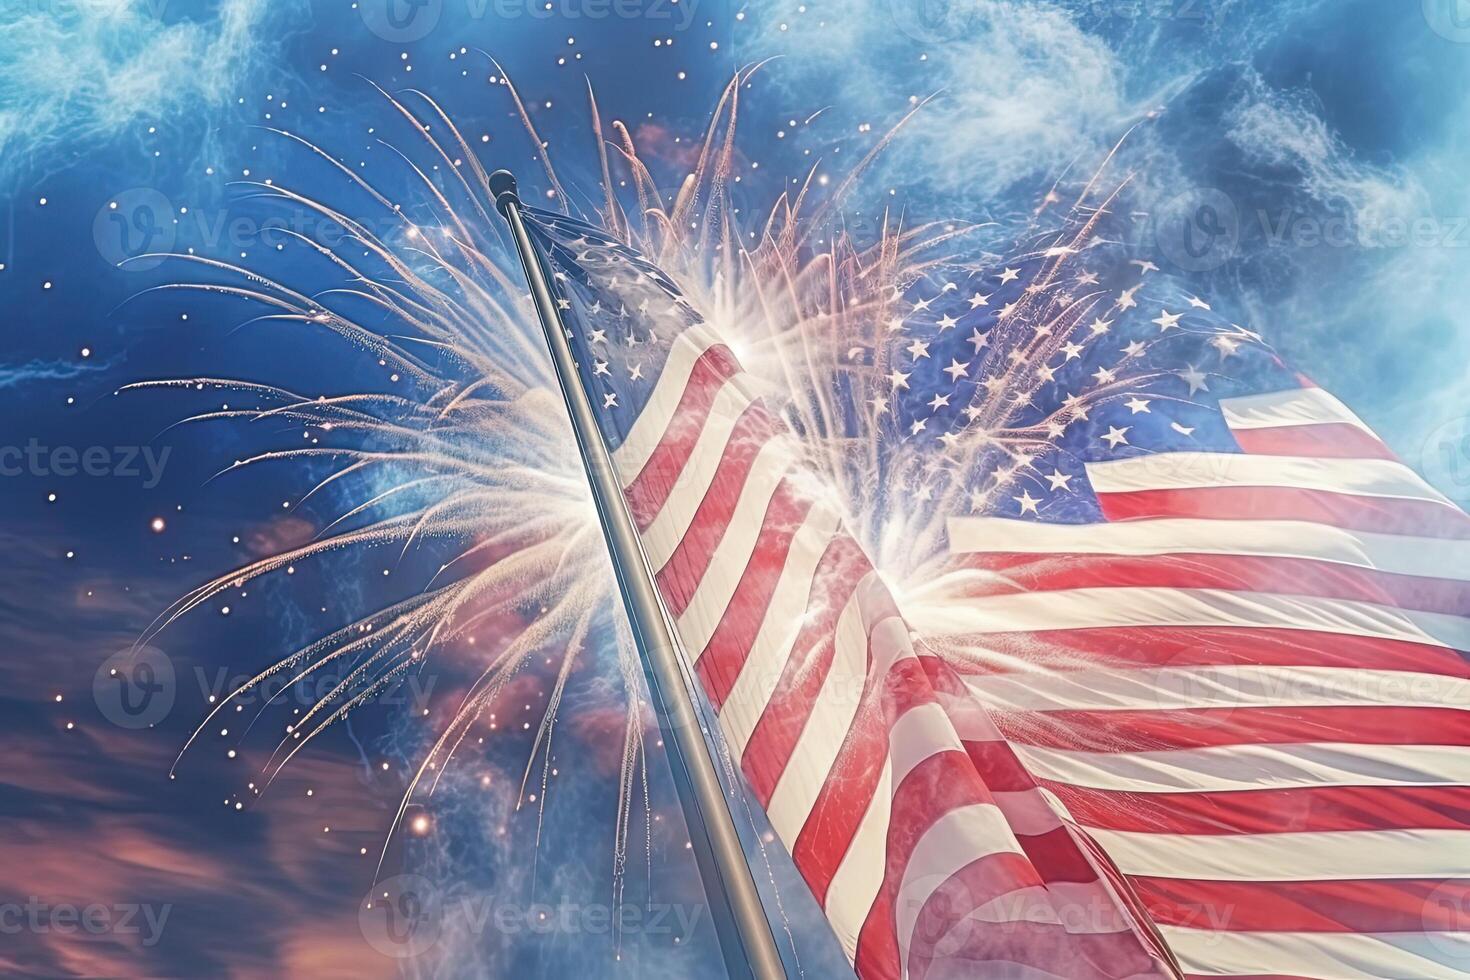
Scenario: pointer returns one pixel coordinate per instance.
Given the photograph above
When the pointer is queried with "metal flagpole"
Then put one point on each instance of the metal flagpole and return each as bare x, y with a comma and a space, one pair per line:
745, 935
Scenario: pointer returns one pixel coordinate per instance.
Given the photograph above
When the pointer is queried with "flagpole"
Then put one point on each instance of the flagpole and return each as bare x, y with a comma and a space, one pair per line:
744, 933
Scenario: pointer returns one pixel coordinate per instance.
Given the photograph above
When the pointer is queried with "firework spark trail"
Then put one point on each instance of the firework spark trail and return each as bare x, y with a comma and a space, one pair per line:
475, 456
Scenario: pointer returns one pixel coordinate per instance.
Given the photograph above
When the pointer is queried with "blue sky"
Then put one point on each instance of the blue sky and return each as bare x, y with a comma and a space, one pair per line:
1325, 136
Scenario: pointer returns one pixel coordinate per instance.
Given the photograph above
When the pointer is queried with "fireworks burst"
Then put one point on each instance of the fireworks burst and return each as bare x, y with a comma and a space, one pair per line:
476, 456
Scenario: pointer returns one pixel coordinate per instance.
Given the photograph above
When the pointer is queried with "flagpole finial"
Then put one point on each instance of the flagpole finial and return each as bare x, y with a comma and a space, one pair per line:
503, 186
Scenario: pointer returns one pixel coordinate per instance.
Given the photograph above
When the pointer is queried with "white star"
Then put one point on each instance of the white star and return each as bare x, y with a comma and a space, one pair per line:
938, 402
880, 405
1104, 376
978, 300
599, 367
1009, 275
610, 400
1027, 502
1167, 320
1115, 436
1225, 345
635, 373
1144, 265
595, 308
1006, 311
1060, 480
1195, 378
1046, 372
1072, 350
945, 322
598, 336
918, 349
1136, 405
895, 325
918, 426
978, 340
977, 500
949, 439
562, 304
921, 304
1100, 326
1198, 303
898, 379
1125, 300
1087, 279
1133, 349
1183, 430
956, 370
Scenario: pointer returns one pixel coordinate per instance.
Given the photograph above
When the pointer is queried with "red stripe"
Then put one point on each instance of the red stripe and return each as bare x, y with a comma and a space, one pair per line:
650, 488
1146, 731
1376, 905
720, 662
1144, 646
1294, 576
686, 567
774, 735
1389, 515
1327, 440
1265, 811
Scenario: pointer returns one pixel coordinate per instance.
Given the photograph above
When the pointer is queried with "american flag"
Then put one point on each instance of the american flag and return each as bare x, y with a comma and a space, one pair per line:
1209, 610
1194, 676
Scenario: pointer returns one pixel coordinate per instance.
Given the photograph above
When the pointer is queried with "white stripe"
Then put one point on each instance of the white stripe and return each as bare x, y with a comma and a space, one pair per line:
1300, 856
957, 839
1227, 768
833, 710
785, 616
1339, 955
732, 555
648, 428
1184, 471
859, 877
1106, 607
694, 480
1397, 553
1295, 406
1217, 686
